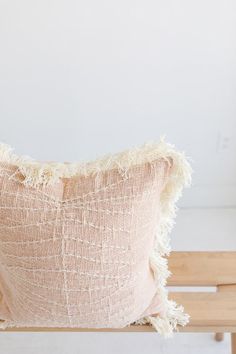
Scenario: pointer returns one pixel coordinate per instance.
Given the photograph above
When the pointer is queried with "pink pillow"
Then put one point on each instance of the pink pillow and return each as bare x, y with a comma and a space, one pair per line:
84, 245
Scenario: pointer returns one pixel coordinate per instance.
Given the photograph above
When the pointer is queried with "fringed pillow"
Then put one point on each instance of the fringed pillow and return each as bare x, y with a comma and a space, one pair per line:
84, 245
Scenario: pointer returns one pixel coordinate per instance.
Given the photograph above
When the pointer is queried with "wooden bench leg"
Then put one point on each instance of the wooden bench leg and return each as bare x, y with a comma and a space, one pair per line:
233, 343
219, 337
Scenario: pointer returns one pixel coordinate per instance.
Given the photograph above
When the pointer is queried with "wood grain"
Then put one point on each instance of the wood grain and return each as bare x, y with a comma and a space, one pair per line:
202, 268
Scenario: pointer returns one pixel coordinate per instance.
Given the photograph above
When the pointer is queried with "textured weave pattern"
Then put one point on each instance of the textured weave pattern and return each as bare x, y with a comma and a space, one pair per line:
76, 253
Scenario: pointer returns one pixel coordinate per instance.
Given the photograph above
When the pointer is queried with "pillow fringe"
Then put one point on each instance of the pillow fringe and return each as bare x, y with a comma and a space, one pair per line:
38, 173
174, 316
180, 176
4, 324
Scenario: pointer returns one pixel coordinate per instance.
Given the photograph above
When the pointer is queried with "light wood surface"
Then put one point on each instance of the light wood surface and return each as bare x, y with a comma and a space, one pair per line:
227, 287
233, 343
131, 329
202, 268
208, 309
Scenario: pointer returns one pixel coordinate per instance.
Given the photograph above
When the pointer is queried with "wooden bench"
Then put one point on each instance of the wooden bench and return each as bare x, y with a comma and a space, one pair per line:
209, 311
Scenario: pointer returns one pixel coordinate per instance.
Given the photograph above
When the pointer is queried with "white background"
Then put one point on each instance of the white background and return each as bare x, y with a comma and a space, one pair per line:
79, 79
83, 78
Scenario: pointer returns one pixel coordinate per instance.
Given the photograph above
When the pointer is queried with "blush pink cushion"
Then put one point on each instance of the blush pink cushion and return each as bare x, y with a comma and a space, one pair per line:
85, 246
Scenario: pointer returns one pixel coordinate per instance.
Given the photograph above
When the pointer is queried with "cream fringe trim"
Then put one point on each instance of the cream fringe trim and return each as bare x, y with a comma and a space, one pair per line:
180, 177
4, 324
38, 173
173, 318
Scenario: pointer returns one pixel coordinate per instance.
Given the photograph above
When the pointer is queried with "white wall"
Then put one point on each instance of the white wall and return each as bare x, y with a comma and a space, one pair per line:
83, 78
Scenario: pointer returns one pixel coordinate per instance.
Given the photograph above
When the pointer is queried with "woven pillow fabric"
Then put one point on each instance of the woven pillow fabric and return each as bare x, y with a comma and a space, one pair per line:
85, 244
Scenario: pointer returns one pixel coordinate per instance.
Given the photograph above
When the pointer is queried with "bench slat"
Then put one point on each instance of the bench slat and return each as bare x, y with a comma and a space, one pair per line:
142, 328
208, 308
202, 268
